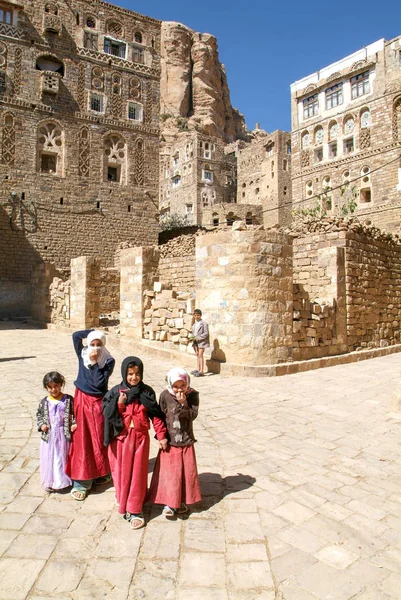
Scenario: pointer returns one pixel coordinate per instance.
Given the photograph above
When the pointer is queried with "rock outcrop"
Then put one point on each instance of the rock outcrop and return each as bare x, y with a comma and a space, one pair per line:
194, 84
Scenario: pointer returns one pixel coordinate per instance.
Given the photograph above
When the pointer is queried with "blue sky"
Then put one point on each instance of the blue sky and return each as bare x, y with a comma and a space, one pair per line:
267, 45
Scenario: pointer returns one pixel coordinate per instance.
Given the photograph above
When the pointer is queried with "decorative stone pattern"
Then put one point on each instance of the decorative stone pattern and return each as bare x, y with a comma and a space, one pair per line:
8, 141
17, 71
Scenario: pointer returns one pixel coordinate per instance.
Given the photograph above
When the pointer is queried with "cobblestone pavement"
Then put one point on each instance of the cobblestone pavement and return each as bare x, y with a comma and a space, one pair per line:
301, 492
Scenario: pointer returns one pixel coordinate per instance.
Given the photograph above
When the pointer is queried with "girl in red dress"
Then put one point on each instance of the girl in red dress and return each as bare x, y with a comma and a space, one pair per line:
127, 408
175, 481
87, 458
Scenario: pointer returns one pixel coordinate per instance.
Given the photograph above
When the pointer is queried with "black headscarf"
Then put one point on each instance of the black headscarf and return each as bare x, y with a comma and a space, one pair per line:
141, 392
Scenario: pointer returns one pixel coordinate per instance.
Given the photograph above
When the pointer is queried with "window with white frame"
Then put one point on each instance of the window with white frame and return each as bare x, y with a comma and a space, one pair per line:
207, 151
115, 48
207, 175
270, 149
360, 85
189, 209
96, 103
311, 106
176, 158
288, 147
135, 111
176, 181
318, 154
334, 96
333, 150
349, 145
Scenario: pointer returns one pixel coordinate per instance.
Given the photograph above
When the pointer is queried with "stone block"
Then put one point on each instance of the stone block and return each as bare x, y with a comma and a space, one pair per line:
157, 286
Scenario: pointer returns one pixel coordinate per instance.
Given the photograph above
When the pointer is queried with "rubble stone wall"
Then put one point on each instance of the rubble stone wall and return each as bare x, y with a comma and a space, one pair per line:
177, 264
168, 317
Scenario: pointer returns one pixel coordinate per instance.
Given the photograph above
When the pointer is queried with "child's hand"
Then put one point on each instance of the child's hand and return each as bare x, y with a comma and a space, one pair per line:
163, 444
44, 428
181, 397
73, 428
122, 398
93, 355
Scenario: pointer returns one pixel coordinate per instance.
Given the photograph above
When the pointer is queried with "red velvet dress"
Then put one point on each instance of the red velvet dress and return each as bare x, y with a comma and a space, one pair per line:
87, 458
129, 456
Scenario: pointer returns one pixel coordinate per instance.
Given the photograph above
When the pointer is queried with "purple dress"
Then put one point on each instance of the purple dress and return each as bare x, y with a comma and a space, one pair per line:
53, 454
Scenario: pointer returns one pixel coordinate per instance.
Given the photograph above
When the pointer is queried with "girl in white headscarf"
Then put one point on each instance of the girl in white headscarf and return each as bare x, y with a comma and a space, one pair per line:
175, 481
87, 458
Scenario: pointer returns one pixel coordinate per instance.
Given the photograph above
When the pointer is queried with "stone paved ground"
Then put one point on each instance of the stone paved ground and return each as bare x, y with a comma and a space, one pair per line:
300, 478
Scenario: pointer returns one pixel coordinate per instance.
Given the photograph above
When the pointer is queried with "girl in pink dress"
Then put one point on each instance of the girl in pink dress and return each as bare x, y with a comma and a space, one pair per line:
175, 481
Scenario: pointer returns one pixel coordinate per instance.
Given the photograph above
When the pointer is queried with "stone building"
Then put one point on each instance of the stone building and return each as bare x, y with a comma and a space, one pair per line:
79, 133
195, 174
346, 136
264, 176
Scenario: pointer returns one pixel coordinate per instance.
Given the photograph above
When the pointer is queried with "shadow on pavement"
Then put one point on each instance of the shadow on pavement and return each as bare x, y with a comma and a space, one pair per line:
16, 358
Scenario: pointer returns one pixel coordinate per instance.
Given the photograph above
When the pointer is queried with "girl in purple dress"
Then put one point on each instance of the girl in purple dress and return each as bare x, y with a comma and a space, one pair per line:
55, 416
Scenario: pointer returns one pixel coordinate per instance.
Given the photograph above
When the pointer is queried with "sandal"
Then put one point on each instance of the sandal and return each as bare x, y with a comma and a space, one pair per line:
182, 510
135, 521
79, 494
103, 480
168, 512
49, 490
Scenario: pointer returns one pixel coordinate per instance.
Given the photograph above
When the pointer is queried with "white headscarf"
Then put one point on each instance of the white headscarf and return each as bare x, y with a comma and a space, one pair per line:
103, 353
177, 374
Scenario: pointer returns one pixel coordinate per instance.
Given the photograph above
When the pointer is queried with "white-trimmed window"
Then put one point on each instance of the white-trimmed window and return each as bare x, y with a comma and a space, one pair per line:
189, 209
311, 106
176, 181
135, 112
334, 96
360, 85
349, 146
6, 15
115, 48
318, 154
333, 150
176, 158
96, 103
270, 149
207, 175
207, 153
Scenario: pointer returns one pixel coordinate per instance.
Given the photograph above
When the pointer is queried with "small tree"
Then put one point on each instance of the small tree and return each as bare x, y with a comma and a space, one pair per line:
173, 221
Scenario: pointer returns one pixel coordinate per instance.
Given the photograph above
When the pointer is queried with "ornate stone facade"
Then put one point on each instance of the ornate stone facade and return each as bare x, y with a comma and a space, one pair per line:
79, 131
346, 141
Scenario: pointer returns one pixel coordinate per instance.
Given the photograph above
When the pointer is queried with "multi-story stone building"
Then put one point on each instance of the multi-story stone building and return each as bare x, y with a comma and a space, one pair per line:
264, 176
79, 131
195, 176
346, 136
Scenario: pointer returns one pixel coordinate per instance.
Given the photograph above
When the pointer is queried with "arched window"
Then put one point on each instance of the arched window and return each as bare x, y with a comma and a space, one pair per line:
51, 8
90, 22
305, 140
138, 37
115, 29
333, 130
345, 177
84, 152
50, 63
349, 125
319, 136
365, 118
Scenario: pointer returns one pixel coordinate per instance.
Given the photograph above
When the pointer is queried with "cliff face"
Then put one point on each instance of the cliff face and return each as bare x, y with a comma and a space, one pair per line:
194, 84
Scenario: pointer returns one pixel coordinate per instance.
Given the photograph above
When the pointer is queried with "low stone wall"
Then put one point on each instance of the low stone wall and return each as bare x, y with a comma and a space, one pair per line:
314, 328
168, 317
60, 301
177, 263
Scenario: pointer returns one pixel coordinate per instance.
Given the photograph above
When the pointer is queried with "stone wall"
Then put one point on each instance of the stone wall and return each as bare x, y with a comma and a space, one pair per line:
84, 298
244, 288
60, 301
177, 264
373, 288
168, 317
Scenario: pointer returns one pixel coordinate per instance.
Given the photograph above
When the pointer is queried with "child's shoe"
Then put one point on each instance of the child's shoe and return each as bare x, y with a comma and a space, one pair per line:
136, 521
168, 512
182, 510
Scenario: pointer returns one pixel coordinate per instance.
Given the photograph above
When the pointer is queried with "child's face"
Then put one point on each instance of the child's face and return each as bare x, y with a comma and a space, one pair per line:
197, 316
179, 386
133, 376
54, 389
96, 344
